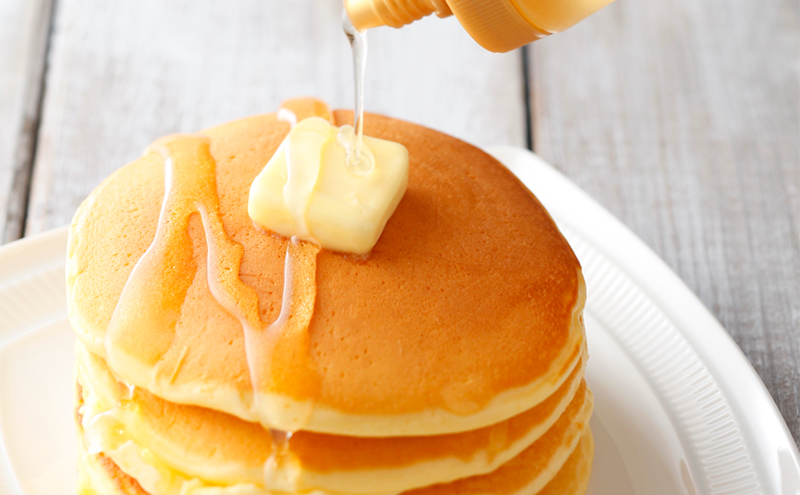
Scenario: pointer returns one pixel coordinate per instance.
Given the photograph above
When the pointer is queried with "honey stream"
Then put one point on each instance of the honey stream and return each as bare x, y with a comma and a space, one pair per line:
144, 322
352, 138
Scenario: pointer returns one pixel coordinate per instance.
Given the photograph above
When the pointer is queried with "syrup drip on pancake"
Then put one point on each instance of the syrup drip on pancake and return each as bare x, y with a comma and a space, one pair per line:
127, 391
278, 354
295, 316
294, 110
279, 455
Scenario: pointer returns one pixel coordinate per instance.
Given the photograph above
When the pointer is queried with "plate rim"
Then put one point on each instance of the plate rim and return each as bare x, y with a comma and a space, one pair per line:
27, 253
716, 348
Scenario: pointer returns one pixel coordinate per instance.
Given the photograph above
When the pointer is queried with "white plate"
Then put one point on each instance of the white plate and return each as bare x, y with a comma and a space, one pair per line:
679, 410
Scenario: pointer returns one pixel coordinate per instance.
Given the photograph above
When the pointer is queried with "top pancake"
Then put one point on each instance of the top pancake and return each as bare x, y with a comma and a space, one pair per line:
466, 312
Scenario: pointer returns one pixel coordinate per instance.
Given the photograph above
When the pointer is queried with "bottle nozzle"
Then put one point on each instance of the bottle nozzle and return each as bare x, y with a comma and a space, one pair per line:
366, 14
363, 14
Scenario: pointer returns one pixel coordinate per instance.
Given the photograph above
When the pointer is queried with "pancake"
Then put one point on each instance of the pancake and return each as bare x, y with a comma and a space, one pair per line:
98, 475
559, 462
533, 471
466, 313
222, 449
573, 477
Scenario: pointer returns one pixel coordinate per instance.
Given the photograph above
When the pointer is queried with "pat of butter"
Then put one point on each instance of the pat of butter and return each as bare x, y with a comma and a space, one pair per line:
306, 190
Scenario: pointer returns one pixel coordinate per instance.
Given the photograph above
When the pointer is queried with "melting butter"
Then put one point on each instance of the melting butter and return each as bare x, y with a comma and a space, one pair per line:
307, 191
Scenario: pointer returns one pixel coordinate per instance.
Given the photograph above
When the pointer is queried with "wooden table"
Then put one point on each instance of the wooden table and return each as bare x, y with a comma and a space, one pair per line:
681, 117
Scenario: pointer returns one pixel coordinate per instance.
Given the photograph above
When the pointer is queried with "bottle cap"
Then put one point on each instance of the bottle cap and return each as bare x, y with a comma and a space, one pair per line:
497, 25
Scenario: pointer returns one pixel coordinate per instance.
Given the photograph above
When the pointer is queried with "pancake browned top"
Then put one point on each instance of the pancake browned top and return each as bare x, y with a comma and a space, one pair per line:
471, 292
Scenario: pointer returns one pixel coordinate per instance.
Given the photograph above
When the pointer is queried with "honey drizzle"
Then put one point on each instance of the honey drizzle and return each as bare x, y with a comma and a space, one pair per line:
352, 139
278, 354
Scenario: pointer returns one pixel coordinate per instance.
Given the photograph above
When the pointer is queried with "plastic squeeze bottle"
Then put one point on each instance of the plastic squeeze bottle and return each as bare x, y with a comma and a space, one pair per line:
497, 25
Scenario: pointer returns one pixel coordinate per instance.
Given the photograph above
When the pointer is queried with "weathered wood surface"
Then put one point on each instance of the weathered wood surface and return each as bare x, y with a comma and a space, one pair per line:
681, 117
124, 73
24, 28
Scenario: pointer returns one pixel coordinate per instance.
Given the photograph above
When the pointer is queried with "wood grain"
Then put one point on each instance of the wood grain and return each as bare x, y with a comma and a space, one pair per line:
681, 117
24, 30
125, 73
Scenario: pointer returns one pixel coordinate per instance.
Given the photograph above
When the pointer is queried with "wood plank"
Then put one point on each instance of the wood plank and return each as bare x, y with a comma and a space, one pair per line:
24, 30
681, 117
125, 73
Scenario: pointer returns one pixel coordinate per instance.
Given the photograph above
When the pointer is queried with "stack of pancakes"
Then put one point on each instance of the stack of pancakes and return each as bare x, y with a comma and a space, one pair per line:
215, 359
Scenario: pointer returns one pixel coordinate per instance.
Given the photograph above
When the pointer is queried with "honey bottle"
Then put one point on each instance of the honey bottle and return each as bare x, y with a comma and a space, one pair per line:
497, 25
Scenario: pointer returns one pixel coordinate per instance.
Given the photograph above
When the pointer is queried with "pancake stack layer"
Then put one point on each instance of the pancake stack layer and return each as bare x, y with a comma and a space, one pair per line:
214, 359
